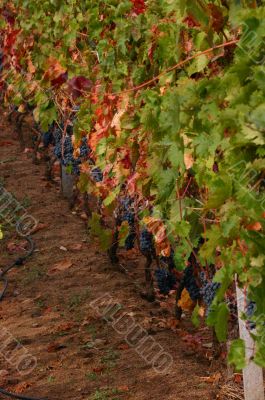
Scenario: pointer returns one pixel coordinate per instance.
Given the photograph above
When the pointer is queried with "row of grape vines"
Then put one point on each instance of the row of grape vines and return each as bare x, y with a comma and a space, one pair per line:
158, 108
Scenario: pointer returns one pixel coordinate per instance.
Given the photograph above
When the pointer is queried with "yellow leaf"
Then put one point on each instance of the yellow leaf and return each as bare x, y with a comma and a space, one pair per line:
185, 302
188, 160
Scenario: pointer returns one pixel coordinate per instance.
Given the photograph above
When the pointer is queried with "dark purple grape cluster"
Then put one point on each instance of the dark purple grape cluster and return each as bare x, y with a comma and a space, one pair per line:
130, 240
67, 155
84, 148
232, 305
146, 241
250, 310
97, 174
129, 217
190, 284
166, 280
126, 211
169, 261
48, 136
208, 291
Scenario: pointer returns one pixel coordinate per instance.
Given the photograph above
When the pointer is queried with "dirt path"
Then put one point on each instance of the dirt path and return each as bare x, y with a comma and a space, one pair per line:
79, 355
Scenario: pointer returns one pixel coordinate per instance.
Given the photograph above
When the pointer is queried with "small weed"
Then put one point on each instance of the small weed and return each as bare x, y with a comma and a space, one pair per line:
40, 303
92, 330
79, 316
110, 358
77, 299
26, 202
61, 334
51, 378
33, 274
88, 345
92, 376
106, 394
74, 301
100, 394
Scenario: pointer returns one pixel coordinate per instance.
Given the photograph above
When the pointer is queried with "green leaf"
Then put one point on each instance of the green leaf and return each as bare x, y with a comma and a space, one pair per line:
237, 354
220, 189
218, 318
198, 64
112, 196
96, 229
195, 318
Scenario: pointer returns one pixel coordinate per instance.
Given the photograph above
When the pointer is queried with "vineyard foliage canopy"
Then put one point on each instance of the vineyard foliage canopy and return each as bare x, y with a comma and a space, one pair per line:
171, 100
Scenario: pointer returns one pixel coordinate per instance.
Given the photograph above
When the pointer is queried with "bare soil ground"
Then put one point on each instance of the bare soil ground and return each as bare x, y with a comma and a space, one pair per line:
47, 309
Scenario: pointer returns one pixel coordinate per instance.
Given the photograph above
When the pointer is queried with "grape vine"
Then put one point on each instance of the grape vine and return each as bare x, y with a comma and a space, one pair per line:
169, 100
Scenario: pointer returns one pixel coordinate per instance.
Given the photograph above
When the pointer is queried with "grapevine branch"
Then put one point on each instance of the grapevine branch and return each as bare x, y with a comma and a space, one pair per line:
178, 65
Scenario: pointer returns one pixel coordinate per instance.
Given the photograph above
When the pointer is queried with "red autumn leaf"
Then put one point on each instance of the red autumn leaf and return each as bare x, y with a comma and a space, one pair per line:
10, 40
60, 80
255, 226
190, 21
54, 69
217, 18
9, 16
79, 85
139, 6
151, 51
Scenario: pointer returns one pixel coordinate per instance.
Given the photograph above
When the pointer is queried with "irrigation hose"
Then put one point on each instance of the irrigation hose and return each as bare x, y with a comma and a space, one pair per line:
18, 262
18, 396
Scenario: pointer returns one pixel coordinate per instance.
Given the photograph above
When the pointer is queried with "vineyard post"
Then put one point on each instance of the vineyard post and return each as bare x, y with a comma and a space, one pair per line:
252, 373
67, 184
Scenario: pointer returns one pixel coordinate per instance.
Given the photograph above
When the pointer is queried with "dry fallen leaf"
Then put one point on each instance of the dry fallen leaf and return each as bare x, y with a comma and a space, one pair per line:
3, 376
75, 247
55, 347
238, 378
123, 388
63, 248
84, 216
172, 323
13, 247
123, 346
39, 227
21, 387
99, 369
67, 326
61, 266
215, 378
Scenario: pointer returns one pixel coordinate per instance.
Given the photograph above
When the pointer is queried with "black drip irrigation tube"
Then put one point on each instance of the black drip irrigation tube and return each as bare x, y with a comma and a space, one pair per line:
18, 262
18, 396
